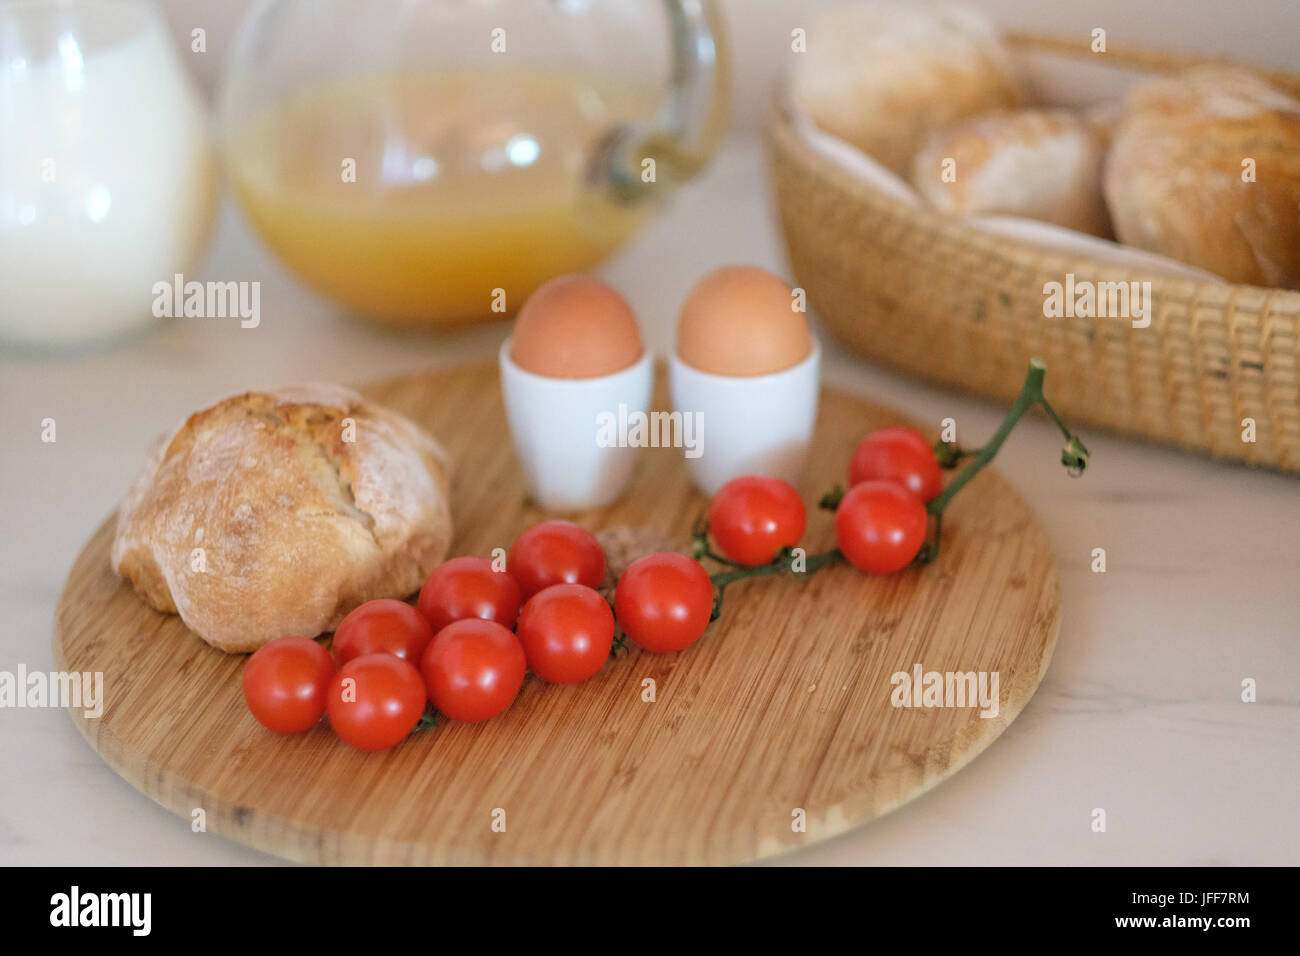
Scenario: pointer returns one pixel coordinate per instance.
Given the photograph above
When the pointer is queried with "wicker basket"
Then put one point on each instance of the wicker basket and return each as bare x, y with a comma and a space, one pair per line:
921, 291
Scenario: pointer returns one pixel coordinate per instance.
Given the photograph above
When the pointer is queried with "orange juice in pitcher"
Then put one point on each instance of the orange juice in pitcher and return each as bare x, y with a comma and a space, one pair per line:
465, 202
419, 194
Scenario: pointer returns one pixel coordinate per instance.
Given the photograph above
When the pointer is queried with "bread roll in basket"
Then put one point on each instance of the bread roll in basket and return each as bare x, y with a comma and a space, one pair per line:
1213, 366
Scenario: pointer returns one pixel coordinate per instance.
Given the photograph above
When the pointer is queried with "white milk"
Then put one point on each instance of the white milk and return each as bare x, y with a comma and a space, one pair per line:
106, 177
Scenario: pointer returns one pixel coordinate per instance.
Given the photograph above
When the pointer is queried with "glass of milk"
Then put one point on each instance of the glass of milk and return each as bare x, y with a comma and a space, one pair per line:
107, 179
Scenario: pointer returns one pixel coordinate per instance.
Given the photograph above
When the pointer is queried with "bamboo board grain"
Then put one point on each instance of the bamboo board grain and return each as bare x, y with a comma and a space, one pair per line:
784, 705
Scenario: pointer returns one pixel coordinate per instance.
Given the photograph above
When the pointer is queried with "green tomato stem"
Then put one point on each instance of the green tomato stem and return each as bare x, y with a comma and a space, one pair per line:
783, 563
1075, 455
714, 556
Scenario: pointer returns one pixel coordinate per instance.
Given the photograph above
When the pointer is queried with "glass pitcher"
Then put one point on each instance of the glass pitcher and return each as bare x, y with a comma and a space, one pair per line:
434, 161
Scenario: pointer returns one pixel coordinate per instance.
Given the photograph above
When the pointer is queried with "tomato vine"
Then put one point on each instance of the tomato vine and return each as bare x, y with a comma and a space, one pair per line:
793, 561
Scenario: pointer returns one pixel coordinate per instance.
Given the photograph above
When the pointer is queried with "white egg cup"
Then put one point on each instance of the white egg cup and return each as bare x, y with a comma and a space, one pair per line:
751, 425
556, 427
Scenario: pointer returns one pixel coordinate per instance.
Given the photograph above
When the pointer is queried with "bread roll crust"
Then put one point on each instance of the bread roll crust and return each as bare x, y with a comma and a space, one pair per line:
1042, 164
883, 76
1174, 177
305, 502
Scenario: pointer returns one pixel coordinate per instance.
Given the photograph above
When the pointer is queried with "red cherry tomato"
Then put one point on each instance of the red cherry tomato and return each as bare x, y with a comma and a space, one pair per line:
567, 631
382, 627
286, 684
663, 601
754, 517
473, 670
375, 701
880, 526
468, 587
901, 455
556, 552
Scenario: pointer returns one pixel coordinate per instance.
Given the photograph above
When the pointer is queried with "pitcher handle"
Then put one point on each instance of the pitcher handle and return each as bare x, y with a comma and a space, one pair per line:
688, 125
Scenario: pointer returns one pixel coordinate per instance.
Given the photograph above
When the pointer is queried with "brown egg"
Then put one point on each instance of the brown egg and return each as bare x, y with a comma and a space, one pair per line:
575, 327
739, 321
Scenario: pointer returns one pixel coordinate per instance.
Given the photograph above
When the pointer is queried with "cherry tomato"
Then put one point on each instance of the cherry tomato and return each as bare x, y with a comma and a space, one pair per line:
473, 669
382, 627
469, 587
754, 517
901, 455
286, 683
880, 526
663, 601
556, 552
376, 700
567, 631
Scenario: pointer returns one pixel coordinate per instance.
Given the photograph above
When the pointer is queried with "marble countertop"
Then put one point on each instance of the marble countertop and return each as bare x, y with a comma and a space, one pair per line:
1139, 714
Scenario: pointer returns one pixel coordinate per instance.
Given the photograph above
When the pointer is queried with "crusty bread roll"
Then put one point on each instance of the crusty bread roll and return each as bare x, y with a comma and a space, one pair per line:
1173, 179
883, 76
305, 502
1040, 164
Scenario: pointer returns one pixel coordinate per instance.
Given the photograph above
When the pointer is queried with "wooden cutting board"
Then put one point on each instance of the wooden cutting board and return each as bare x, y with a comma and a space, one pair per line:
782, 713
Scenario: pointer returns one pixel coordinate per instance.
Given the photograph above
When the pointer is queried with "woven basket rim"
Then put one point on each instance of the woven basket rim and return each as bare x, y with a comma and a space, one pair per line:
782, 134
1142, 58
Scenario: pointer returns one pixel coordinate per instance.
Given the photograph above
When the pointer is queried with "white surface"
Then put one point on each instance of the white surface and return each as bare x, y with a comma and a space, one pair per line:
1263, 32
1140, 713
